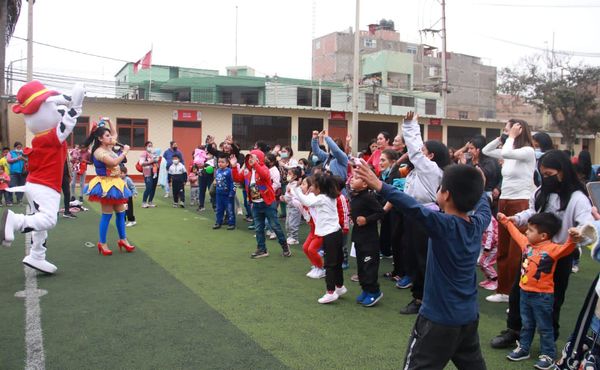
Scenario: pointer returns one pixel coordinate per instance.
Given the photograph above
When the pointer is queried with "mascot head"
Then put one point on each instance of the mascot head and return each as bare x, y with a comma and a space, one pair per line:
39, 105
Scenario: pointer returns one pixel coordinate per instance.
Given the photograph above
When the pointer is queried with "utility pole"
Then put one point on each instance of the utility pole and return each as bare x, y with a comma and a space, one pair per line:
236, 35
355, 78
30, 39
444, 65
3, 96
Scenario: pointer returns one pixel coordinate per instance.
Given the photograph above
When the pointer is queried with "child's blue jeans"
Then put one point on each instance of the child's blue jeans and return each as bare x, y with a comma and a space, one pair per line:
536, 310
225, 203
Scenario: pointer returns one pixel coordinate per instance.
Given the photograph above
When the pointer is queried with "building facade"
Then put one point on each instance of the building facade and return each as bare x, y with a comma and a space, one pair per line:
472, 85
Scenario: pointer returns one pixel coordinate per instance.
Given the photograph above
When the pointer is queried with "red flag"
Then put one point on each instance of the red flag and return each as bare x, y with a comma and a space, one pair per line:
146, 62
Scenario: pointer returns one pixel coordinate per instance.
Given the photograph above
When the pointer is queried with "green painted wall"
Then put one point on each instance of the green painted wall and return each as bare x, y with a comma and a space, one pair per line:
387, 61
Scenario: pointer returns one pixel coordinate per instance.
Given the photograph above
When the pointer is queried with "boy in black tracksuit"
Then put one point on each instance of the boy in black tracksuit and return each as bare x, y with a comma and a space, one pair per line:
365, 211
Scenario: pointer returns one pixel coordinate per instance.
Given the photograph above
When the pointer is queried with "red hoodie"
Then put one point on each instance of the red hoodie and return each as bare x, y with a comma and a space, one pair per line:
262, 178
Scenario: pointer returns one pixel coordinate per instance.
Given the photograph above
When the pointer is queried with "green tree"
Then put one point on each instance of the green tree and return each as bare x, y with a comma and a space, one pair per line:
569, 93
9, 15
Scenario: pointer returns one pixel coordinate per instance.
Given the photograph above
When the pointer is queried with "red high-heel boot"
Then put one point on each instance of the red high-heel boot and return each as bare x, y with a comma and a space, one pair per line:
104, 252
128, 248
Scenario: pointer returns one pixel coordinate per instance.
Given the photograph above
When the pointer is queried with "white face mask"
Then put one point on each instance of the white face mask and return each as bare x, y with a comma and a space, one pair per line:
175, 161
149, 149
290, 179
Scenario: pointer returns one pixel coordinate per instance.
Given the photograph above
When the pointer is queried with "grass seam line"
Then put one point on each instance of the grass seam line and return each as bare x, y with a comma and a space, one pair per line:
34, 341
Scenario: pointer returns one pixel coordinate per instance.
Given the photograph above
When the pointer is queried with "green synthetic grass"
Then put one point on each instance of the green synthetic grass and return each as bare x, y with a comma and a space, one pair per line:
191, 297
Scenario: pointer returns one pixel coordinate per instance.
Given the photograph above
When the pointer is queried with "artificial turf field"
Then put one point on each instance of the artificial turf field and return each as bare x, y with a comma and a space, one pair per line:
190, 297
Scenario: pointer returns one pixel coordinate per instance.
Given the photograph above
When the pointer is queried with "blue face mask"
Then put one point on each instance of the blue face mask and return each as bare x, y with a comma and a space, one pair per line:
538, 153
315, 159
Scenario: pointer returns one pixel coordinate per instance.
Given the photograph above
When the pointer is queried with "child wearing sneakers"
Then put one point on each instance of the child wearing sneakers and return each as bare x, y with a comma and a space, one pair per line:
225, 192
293, 215
313, 242
178, 178
366, 211
194, 185
129, 216
4, 182
323, 201
537, 282
446, 325
487, 259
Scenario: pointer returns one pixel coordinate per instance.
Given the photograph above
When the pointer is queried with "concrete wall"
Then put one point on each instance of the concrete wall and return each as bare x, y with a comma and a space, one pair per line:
217, 121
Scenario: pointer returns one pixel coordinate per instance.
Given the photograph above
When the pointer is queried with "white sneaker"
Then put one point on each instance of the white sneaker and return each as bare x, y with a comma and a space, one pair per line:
145, 205
341, 290
166, 195
272, 236
328, 298
151, 205
130, 223
240, 212
319, 273
292, 241
40, 265
497, 298
312, 270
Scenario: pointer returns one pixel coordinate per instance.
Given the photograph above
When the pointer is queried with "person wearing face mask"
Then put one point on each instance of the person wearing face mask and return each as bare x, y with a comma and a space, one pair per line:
516, 189
286, 161
168, 156
562, 194
178, 178
18, 174
150, 165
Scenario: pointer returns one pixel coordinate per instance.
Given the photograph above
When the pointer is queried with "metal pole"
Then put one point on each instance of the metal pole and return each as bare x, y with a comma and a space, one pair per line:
30, 39
236, 35
3, 98
444, 65
355, 78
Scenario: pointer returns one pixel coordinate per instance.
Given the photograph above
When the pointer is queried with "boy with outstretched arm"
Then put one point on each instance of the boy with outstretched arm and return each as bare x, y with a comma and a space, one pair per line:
446, 327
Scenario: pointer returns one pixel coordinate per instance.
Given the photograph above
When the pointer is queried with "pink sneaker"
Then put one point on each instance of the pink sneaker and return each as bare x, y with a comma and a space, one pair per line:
489, 285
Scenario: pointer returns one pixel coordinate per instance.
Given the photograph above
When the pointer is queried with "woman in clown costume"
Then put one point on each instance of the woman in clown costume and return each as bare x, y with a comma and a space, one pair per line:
107, 187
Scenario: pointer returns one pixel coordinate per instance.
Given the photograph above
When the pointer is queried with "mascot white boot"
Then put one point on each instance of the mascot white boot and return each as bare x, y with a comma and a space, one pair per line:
51, 117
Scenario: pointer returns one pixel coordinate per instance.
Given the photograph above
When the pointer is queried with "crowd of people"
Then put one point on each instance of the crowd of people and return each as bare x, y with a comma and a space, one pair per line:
430, 209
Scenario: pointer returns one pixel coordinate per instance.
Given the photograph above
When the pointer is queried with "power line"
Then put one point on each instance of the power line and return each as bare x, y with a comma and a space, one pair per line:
561, 52
74, 51
539, 5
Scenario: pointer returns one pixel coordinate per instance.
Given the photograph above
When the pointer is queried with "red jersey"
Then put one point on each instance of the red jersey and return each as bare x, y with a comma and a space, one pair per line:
46, 160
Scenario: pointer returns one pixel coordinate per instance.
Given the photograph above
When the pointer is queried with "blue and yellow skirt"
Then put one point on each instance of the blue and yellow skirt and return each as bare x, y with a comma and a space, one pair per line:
108, 190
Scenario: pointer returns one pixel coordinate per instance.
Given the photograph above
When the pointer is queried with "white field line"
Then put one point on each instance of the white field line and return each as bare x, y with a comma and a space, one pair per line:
34, 341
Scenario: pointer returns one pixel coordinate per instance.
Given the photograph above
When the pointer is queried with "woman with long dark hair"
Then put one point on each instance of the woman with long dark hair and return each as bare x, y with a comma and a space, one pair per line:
489, 166
107, 187
429, 160
517, 185
564, 195
384, 141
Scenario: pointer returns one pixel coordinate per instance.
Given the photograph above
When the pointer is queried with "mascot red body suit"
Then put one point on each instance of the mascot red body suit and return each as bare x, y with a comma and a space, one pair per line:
51, 117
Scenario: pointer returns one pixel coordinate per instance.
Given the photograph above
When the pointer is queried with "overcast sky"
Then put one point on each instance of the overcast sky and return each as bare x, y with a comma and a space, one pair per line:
274, 36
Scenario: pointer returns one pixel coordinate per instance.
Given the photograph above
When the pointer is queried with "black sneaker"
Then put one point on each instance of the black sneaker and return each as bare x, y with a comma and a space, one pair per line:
69, 215
412, 308
216, 226
286, 251
259, 253
81, 199
231, 227
507, 339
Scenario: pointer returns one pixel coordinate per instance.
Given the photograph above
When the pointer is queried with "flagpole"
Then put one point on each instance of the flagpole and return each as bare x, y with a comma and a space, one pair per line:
150, 83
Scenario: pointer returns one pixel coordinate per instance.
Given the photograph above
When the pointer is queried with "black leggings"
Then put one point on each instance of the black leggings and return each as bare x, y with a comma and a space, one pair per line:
334, 257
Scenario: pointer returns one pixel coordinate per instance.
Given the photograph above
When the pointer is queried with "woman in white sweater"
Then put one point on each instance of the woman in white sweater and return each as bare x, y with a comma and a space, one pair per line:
564, 195
518, 168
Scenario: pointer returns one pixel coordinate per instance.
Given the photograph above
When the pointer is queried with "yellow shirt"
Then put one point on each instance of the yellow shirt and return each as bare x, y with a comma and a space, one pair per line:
4, 163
